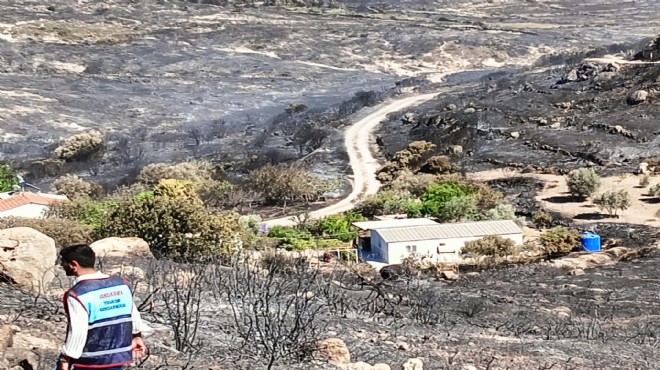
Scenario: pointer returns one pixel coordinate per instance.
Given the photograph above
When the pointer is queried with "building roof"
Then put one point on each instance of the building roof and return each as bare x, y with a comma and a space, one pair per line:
21, 199
448, 231
384, 224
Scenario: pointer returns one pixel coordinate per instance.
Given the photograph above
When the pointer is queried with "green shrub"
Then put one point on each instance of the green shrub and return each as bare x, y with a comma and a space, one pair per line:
339, 226
542, 219
7, 178
250, 223
448, 201
612, 201
288, 232
385, 203
457, 209
214, 193
644, 181
415, 209
504, 212
583, 182
176, 227
86, 212
279, 184
655, 190
559, 240
175, 188
489, 246
64, 232
152, 173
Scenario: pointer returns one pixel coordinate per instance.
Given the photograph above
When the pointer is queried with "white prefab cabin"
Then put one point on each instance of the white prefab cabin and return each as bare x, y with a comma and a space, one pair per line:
440, 242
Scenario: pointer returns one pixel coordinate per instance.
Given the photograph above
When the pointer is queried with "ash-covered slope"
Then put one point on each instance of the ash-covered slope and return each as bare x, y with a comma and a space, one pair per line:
600, 112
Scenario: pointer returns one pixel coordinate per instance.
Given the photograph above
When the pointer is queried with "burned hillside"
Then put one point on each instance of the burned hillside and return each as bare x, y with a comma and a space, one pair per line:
599, 113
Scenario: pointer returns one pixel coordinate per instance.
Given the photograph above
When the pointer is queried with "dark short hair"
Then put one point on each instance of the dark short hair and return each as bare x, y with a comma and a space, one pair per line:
81, 253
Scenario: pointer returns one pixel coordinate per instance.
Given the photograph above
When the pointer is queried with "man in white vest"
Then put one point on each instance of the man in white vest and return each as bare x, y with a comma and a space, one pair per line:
104, 326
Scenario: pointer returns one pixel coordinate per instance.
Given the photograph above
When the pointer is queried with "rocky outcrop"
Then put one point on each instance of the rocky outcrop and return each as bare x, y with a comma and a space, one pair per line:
588, 71
584, 260
122, 247
27, 258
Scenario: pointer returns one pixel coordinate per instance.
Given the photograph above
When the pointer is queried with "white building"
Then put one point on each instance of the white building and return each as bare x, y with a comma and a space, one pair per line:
442, 242
26, 204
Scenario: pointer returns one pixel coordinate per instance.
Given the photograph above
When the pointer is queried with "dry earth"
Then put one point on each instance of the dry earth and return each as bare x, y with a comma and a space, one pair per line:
554, 196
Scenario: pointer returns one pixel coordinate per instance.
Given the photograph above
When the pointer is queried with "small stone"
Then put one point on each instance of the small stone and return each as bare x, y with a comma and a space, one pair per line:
469, 110
571, 76
515, 134
507, 299
451, 107
403, 346
381, 367
456, 149
576, 272
555, 125
449, 275
469, 367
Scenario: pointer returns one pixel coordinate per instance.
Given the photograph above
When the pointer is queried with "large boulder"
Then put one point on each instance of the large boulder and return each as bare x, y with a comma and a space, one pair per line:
414, 364
121, 247
27, 258
6, 338
334, 351
637, 97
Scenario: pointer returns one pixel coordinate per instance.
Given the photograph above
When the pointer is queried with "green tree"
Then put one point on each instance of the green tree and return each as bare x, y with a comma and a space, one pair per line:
448, 201
176, 227
612, 201
384, 203
340, 226
489, 245
583, 182
7, 178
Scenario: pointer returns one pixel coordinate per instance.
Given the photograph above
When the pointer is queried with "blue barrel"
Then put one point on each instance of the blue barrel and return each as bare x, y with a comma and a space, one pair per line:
590, 241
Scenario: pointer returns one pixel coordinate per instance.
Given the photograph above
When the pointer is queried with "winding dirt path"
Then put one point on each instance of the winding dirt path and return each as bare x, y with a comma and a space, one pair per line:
358, 142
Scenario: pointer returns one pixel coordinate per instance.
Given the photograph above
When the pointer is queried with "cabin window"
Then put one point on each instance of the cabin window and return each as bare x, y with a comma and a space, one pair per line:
411, 248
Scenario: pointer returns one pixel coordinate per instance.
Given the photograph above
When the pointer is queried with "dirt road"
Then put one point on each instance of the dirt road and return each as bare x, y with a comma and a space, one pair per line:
359, 141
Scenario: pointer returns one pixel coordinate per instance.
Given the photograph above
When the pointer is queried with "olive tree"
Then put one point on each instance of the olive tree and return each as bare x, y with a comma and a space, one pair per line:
282, 183
655, 190
583, 182
612, 201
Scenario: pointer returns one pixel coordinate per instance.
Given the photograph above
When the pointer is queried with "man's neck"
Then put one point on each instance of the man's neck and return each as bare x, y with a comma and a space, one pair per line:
88, 271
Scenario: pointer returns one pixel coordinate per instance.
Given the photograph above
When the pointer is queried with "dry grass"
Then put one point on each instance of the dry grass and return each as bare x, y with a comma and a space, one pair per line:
73, 32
